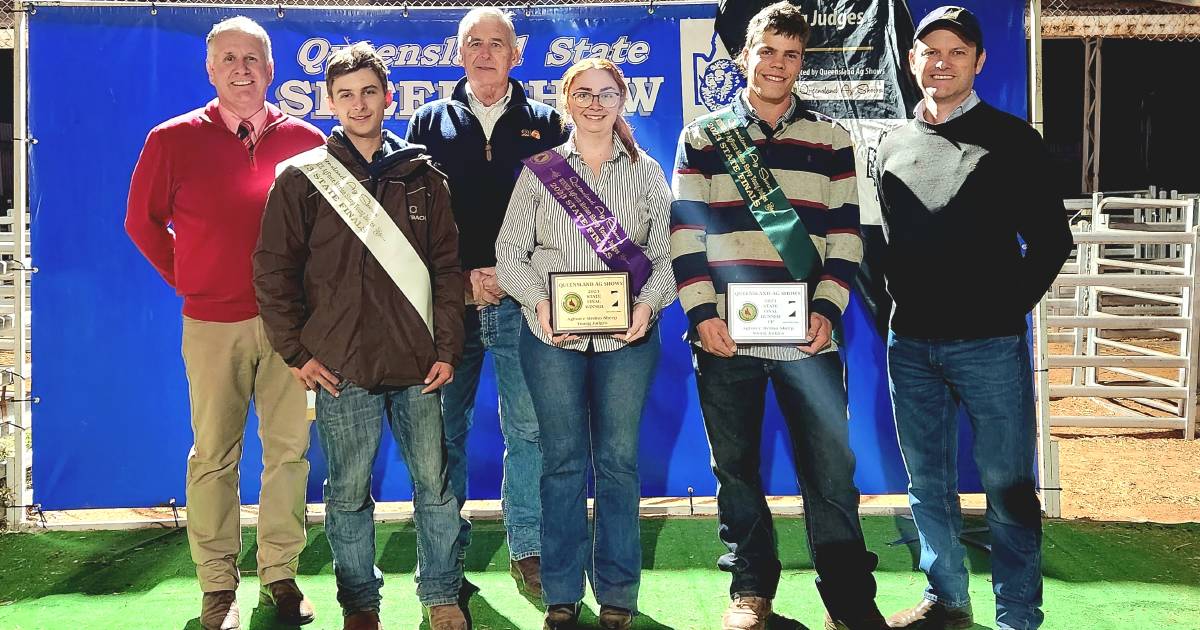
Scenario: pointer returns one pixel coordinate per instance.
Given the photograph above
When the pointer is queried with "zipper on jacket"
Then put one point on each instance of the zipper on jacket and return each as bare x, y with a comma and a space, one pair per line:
487, 142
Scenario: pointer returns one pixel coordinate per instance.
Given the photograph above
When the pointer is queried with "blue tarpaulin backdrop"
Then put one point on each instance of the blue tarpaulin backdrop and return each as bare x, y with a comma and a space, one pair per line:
113, 422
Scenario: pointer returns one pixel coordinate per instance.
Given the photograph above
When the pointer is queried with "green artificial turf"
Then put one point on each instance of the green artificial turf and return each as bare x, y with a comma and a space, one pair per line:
1098, 575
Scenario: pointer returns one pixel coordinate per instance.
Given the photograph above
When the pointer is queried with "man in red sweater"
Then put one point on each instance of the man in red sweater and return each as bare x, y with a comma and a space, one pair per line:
195, 208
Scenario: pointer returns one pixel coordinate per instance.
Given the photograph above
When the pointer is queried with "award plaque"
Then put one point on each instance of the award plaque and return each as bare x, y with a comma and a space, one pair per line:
767, 312
584, 303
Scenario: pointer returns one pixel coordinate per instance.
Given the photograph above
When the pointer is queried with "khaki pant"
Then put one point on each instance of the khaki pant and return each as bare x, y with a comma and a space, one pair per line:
228, 365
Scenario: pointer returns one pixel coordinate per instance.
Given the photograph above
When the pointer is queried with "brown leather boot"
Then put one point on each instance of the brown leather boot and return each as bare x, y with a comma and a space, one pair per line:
561, 617
528, 574
872, 621
291, 606
366, 620
219, 611
446, 617
746, 612
613, 618
930, 615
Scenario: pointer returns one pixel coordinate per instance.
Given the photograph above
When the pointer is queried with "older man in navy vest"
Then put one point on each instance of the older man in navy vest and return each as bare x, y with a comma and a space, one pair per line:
479, 136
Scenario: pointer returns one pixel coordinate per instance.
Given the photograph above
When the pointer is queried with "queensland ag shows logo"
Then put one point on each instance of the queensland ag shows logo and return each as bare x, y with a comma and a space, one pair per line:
572, 303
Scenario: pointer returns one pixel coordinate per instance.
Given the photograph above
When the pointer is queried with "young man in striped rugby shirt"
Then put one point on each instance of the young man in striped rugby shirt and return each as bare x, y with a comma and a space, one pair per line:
717, 239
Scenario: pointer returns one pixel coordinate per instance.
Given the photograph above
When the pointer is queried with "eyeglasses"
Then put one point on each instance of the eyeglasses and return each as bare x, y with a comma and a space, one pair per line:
606, 99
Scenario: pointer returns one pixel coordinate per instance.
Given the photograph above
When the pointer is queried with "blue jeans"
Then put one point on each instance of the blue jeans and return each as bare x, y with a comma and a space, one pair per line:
498, 329
589, 406
812, 398
348, 427
992, 378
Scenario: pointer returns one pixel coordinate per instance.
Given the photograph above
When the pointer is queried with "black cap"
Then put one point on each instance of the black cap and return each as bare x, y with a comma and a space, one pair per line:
956, 19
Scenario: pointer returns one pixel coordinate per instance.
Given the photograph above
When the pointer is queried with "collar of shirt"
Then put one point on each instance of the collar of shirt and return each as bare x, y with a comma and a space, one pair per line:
743, 99
479, 109
233, 121
971, 101
569, 149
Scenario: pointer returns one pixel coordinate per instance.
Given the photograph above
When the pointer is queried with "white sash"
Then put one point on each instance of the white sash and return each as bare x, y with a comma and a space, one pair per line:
371, 224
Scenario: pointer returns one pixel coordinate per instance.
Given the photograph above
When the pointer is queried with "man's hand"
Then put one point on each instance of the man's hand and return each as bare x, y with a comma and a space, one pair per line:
819, 332
543, 316
484, 289
491, 285
440, 374
468, 288
314, 375
714, 338
641, 323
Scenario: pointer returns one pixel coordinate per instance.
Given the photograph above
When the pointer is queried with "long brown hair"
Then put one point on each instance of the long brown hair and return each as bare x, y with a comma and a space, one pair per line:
624, 131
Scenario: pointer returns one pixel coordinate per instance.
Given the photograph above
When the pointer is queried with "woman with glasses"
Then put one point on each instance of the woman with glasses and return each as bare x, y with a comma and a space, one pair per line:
598, 203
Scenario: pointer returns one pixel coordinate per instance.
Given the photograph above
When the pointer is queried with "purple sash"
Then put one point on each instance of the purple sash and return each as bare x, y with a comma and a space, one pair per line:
592, 218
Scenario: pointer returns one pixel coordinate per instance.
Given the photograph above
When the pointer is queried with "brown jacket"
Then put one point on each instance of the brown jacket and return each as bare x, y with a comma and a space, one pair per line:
322, 294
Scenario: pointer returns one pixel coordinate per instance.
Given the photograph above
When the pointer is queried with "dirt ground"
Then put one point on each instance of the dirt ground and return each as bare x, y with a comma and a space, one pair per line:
1125, 474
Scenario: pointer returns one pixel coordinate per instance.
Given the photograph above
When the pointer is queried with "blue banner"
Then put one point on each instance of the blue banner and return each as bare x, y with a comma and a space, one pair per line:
112, 427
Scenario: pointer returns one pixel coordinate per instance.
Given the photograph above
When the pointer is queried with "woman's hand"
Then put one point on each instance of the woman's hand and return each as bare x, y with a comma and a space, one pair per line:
641, 323
543, 316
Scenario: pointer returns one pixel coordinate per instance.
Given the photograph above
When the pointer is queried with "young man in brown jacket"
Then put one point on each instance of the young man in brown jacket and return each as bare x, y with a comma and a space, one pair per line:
358, 281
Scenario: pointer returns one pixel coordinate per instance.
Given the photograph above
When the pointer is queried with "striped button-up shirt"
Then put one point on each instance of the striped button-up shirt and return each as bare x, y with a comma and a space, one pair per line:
538, 236
715, 239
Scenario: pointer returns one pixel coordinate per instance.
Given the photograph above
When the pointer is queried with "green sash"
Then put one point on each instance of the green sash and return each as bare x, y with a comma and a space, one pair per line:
762, 194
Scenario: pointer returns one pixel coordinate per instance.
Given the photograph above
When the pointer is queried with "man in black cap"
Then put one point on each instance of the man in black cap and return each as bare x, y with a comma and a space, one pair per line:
965, 181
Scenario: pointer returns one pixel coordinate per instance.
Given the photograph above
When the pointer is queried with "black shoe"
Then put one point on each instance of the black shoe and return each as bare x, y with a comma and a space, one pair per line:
561, 617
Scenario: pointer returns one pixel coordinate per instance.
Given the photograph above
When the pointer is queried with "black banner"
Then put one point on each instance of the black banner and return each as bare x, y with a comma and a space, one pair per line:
856, 62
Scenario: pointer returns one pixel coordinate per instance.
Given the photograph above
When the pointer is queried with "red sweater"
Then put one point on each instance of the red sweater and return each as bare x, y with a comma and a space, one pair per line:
195, 178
